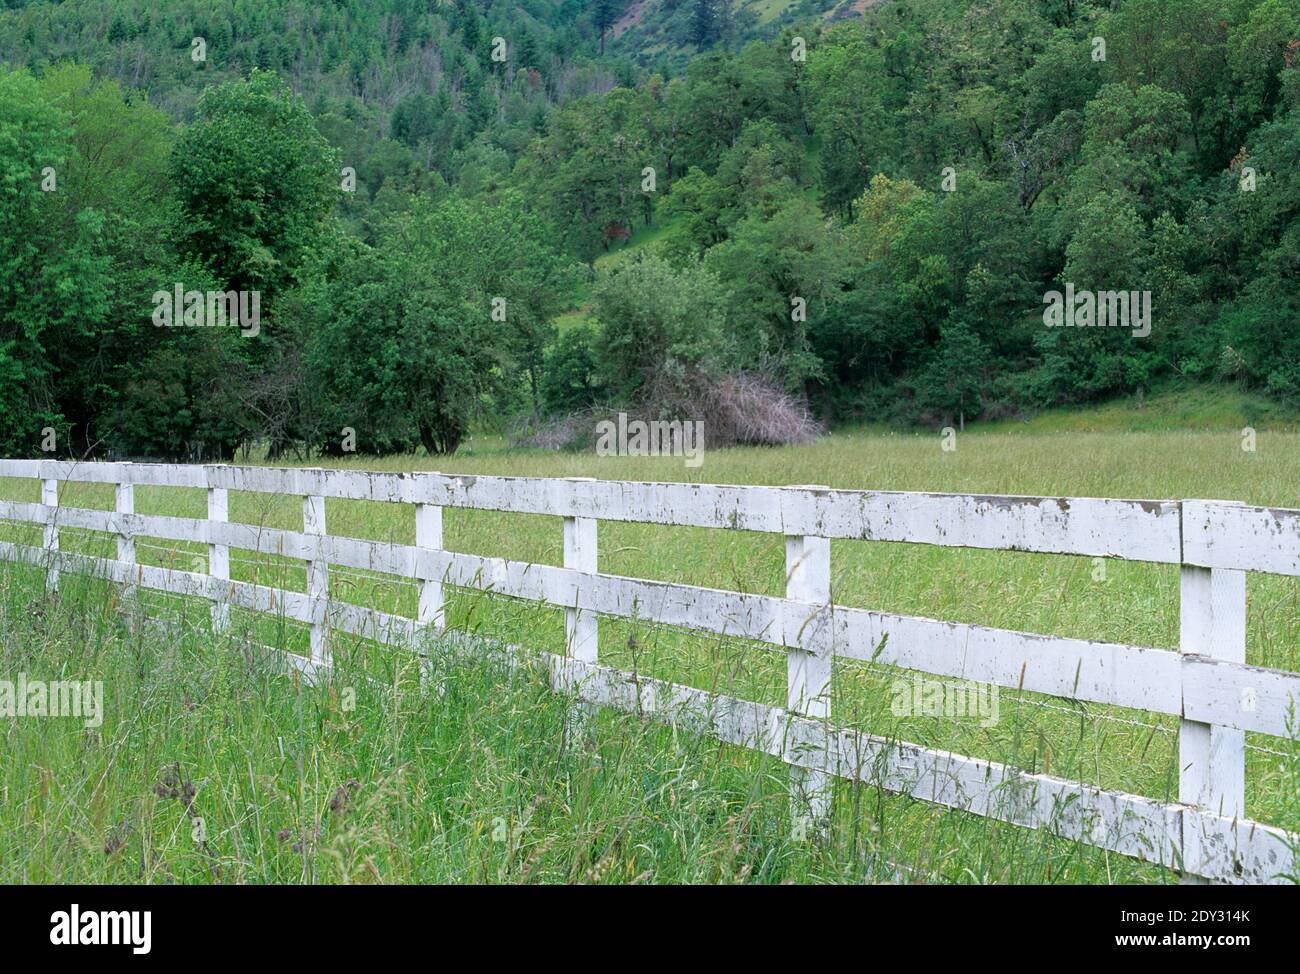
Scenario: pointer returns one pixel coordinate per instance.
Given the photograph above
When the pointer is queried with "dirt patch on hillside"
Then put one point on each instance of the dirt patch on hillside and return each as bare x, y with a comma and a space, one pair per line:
632, 16
851, 8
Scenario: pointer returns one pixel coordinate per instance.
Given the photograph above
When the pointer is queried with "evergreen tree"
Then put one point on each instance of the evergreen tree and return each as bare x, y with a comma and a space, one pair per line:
604, 14
704, 26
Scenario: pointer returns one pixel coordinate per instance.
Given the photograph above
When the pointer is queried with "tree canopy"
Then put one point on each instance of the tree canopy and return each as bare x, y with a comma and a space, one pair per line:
468, 213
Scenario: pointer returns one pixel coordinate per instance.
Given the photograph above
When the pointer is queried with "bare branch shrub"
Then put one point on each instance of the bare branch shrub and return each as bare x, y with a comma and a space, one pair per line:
738, 409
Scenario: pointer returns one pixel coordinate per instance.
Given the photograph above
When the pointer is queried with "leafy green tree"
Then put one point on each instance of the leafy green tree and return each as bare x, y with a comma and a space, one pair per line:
1133, 136
256, 186
881, 213
570, 373
757, 175
657, 320
405, 339
1261, 229
54, 274
117, 169
1062, 78
952, 382
1179, 46
1110, 251
1260, 329
585, 175
255, 182
866, 341
721, 93
849, 114
783, 270
1257, 54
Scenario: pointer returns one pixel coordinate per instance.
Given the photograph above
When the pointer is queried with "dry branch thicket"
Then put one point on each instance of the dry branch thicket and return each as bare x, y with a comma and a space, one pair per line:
739, 409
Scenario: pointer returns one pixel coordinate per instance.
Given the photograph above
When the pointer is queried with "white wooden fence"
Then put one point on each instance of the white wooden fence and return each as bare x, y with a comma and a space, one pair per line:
1206, 683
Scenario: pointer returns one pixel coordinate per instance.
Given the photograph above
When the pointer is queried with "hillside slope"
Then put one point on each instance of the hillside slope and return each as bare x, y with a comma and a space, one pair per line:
671, 31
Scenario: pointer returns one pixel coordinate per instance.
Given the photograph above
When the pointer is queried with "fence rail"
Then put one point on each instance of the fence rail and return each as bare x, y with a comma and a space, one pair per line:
1205, 683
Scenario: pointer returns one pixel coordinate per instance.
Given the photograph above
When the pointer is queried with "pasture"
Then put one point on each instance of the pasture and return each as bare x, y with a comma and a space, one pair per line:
472, 775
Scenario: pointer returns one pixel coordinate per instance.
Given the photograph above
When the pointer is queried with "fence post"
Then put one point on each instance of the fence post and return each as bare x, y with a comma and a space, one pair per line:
428, 534
50, 498
580, 625
808, 672
125, 505
1211, 759
218, 554
313, 522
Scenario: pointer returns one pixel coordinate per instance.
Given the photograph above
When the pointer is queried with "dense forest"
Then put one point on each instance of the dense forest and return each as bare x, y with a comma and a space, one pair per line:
484, 213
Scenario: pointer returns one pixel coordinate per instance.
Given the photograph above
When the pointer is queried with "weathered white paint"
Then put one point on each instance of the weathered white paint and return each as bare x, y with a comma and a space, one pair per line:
382, 627
1133, 529
1206, 682
581, 630
809, 659
1220, 534
1141, 530
428, 535
1246, 852
50, 498
1196, 634
124, 505
1077, 669
219, 554
1235, 850
1250, 698
1107, 673
313, 523
1211, 758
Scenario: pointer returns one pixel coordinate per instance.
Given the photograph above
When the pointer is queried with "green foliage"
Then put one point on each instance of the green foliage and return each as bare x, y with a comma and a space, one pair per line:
874, 225
570, 370
782, 270
850, 115
584, 176
756, 175
951, 384
255, 182
401, 338
660, 320
54, 272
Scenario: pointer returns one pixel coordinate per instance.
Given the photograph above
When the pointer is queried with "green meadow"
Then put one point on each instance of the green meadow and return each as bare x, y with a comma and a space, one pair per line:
473, 774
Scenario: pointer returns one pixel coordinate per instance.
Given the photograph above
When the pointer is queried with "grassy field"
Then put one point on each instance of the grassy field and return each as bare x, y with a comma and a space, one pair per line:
472, 778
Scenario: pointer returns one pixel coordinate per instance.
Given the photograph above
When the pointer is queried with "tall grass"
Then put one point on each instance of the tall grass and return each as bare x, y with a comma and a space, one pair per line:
471, 776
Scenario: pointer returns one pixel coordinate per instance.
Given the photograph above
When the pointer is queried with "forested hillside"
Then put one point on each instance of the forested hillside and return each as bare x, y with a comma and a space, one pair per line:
865, 212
